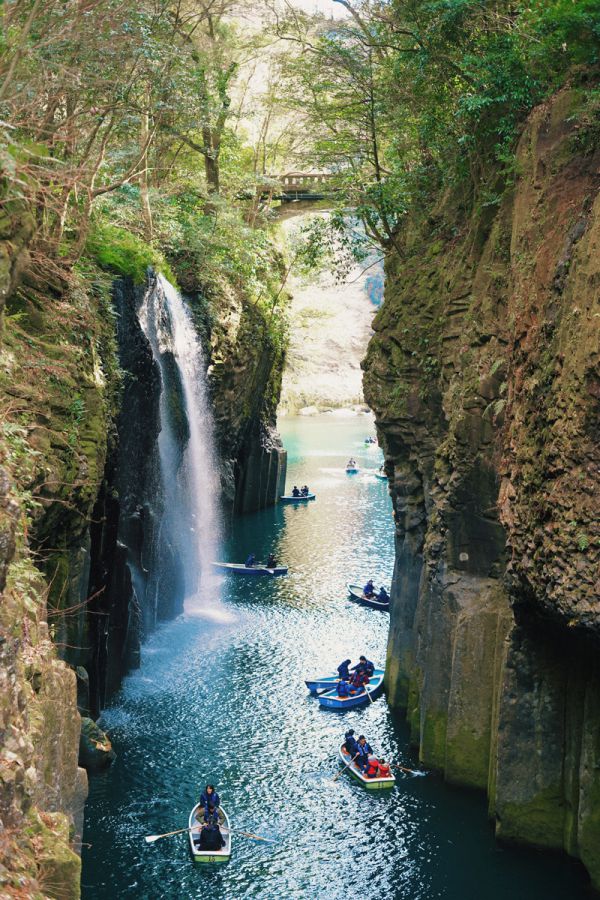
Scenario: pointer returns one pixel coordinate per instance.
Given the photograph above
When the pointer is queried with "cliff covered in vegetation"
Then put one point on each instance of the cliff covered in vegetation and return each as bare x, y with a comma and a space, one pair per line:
484, 375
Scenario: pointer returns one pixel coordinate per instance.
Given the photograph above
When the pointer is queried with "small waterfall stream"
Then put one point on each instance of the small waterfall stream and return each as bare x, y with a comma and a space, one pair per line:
190, 521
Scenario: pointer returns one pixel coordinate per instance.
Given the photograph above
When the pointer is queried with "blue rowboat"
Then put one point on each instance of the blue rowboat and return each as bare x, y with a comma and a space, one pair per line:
241, 569
209, 856
356, 594
289, 498
328, 682
352, 470
373, 784
381, 476
330, 699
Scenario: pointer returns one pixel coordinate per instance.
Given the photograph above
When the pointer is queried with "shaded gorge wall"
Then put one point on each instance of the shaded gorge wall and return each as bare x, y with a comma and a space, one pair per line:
484, 375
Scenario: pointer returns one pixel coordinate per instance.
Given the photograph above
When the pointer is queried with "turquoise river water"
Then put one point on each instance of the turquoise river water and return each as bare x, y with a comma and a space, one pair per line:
220, 697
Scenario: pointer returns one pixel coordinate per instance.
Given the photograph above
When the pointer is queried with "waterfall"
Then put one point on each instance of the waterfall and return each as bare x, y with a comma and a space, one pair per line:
189, 522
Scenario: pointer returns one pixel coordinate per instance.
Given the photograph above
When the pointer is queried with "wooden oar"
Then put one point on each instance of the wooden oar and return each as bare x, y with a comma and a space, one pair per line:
404, 769
249, 834
150, 838
347, 766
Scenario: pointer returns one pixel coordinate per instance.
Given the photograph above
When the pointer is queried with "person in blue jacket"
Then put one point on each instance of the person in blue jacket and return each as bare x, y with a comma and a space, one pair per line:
383, 595
364, 666
364, 750
210, 803
250, 561
295, 491
343, 688
343, 669
350, 742
369, 588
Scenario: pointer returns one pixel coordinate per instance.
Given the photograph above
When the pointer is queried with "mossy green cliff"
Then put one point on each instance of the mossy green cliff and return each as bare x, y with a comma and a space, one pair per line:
79, 402
484, 374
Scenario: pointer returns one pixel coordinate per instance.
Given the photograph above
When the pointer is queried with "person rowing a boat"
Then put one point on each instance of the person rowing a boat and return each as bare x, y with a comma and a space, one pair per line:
369, 589
251, 561
358, 682
383, 595
210, 803
211, 838
364, 750
295, 491
305, 492
343, 669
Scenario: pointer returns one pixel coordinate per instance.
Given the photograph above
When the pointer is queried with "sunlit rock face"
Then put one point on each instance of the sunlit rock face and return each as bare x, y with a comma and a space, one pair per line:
330, 325
484, 375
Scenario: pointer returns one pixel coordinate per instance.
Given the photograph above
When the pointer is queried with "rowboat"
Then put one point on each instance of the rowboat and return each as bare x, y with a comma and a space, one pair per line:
241, 569
289, 498
373, 784
352, 470
328, 682
331, 700
356, 594
381, 476
209, 856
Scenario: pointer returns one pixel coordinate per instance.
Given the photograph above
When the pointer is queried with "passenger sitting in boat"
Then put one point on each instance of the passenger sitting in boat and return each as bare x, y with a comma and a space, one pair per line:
364, 750
211, 837
343, 688
305, 492
372, 769
384, 770
383, 595
343, 669
350, 743
369, 588
209, 803
351, 464
295, 491
250, 562
271, 561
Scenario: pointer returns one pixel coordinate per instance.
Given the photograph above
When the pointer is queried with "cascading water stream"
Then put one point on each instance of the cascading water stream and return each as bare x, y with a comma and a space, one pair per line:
188, 473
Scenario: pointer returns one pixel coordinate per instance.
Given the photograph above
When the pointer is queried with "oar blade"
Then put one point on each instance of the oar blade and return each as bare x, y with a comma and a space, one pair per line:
150, 838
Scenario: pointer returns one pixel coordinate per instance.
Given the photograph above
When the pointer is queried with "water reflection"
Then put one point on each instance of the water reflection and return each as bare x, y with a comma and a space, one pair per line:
225, 702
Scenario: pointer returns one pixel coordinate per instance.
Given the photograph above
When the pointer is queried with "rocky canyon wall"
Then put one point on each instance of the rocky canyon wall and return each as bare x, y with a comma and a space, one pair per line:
484, 374
80, 506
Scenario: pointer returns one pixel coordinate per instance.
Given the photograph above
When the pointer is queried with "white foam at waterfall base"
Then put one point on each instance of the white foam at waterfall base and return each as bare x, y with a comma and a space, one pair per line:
197, 497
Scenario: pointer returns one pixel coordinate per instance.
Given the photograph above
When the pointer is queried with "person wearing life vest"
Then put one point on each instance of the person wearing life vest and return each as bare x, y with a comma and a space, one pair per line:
364, 750
372, 767
384, 769
210, 803
358, 682
350, 743
343, 688
343, 669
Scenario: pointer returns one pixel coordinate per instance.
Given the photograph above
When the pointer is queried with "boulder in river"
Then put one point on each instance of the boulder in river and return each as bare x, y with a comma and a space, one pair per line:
95, 749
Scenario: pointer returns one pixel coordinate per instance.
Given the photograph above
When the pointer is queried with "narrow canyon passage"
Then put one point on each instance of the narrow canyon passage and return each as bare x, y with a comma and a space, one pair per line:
225, 701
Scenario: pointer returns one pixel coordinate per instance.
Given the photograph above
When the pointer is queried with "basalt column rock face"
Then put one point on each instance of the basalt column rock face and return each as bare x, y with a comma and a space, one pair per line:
484, 375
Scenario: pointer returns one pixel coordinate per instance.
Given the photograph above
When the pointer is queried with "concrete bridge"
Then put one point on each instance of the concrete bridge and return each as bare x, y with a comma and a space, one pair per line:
304, 186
